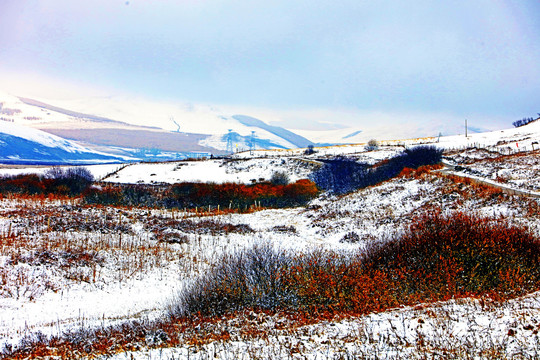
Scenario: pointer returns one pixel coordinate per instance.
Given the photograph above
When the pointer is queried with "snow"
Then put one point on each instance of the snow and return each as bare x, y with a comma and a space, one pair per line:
174, 172
465, 327
217, 171
151, 278
192, 118
40, 137
90, 306
30, 145
215, 121
372, 213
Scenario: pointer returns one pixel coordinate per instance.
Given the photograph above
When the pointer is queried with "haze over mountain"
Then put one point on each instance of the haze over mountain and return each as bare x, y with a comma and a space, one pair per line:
206, 130
138, 128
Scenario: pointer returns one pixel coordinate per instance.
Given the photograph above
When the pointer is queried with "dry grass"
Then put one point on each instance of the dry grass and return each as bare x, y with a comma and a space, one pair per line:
49, 245
292, 293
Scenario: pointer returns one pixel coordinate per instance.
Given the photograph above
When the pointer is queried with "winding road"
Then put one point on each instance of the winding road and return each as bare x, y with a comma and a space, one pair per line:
450, 169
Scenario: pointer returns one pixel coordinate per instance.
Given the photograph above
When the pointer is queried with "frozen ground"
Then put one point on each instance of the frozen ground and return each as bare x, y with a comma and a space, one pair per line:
79, 266
219, 171
467, 328
518, 171
64, 265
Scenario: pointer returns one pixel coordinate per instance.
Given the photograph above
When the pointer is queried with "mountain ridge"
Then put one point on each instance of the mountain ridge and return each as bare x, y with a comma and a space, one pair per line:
22, 145
197, 128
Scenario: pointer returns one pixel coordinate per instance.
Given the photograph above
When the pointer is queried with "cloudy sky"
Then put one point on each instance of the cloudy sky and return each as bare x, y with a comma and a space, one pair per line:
476, 59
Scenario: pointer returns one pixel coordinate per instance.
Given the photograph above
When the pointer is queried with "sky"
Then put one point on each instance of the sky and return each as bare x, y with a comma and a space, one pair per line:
309, 60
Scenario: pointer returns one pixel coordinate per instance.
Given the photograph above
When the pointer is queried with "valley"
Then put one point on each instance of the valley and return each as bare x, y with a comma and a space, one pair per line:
99, 281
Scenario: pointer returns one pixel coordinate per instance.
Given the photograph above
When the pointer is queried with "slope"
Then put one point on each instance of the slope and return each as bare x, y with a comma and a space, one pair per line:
207, 126
23, 145
295, 139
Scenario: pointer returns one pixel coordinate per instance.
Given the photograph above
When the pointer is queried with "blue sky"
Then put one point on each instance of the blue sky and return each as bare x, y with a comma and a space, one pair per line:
463, 58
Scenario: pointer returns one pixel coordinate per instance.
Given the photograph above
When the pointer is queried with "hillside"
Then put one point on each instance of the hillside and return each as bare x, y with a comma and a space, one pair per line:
153, 130
103, 279
22, 145
126, 280
138, 125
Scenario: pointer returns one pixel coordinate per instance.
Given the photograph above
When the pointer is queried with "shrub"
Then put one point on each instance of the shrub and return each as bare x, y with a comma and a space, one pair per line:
460, 254
250, 278
191, 195
103, 196
139, 195
372, 145
173, 238
29, 184
420, 171
437, 258
342, 175
422, 155
72, 181
300, 192
279, 178
207, 226
310, 150
523, 121
350, 237
284, 229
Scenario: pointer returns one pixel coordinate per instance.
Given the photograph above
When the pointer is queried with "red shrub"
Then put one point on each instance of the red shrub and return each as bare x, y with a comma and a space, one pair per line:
438, 258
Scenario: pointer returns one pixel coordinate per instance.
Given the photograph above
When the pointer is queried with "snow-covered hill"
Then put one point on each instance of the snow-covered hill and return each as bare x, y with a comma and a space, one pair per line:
48, 295
140, 124
138, 127
24, 145
112, 289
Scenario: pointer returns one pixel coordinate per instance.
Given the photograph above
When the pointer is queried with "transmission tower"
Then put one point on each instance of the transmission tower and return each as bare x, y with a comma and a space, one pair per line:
252, 143
229, 142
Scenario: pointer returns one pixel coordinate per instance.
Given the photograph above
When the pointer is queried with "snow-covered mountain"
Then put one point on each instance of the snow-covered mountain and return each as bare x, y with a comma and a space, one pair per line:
140, 124
135, 127
24, 145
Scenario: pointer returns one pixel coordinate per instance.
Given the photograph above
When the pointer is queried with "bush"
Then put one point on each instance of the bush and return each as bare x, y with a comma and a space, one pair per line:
422, 155
191, 195
72, 181
372, 145
460, 254
30, 184
310, 150
350, 237
523, 121
103, 196
342, 175
279, 178
250, 278
439, 257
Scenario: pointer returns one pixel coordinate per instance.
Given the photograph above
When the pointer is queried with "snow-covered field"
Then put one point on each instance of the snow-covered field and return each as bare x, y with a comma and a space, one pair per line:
464, 329
218, 171
64, 266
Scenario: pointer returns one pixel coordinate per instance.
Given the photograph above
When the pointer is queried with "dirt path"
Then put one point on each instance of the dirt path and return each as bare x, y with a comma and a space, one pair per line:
451, 170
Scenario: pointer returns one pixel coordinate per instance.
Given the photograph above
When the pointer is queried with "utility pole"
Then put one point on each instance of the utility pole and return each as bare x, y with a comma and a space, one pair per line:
465, 127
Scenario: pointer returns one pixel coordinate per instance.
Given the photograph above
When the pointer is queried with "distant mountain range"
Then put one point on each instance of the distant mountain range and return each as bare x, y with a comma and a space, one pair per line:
22, 145
127, 128
135, 131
